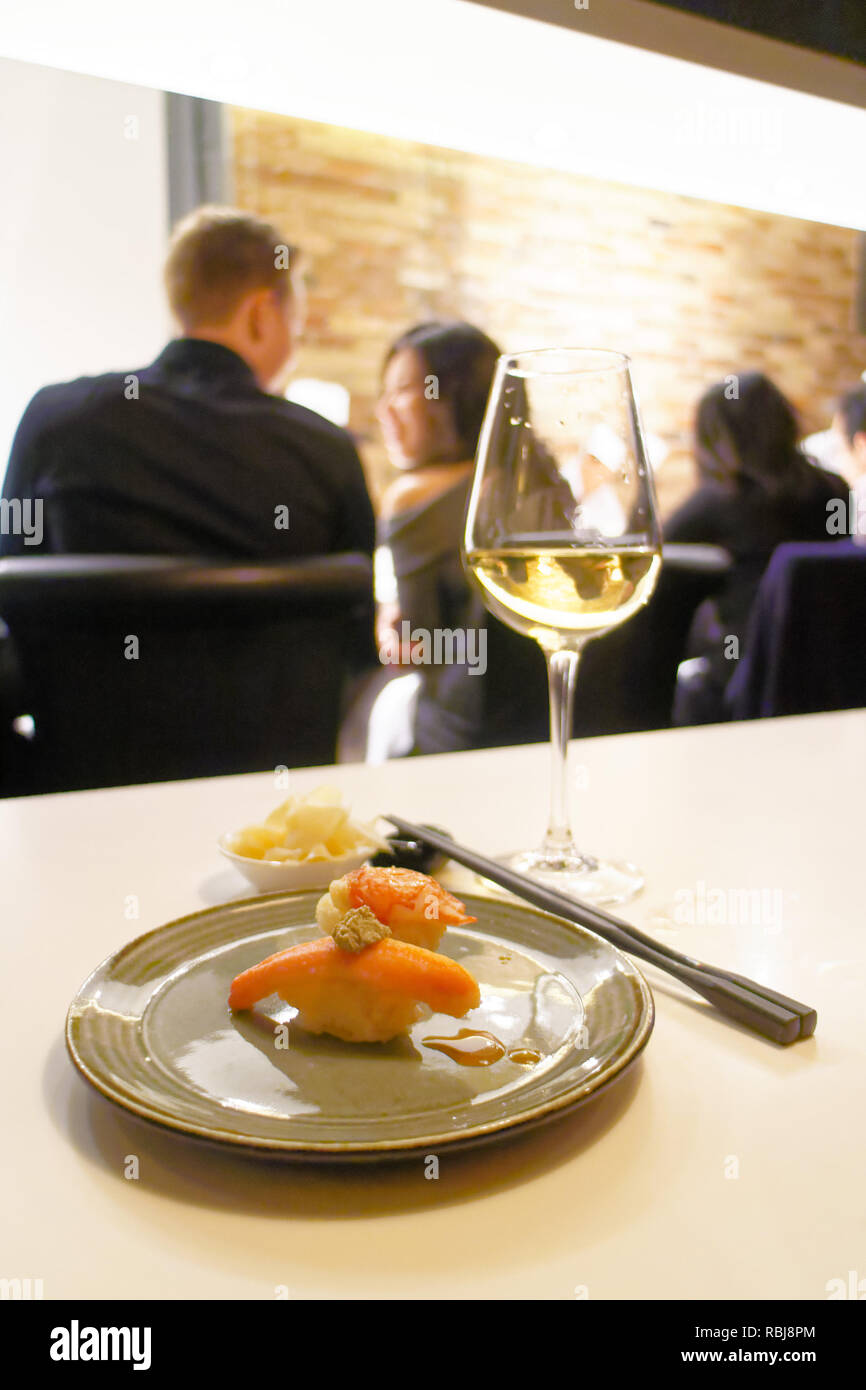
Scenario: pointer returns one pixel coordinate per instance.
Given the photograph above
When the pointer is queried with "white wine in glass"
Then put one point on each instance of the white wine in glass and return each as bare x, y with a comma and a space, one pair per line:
562, 539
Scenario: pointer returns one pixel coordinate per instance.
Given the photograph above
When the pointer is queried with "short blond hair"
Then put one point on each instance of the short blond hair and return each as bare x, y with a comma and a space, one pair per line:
217, 255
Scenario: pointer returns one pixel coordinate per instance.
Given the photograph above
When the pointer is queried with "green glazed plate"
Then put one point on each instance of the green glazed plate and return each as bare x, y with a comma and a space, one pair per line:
152, 1031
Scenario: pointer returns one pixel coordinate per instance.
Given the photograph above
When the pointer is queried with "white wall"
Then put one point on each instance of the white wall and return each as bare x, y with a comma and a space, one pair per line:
470, 78
83, 231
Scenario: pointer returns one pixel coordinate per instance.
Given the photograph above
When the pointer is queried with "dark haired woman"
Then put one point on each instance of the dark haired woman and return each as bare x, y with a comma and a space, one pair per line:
757, 490
436, 381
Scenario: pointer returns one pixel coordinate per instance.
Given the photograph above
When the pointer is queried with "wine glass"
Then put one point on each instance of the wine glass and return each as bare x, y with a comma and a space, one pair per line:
563, 541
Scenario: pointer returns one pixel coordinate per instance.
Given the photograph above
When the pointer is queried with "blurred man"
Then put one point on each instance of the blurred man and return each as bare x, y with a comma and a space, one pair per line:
191, 455
849, 430
849, 426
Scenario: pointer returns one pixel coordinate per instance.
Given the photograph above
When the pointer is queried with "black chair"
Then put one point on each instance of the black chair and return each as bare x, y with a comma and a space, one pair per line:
140, 669
805, 650
627, 678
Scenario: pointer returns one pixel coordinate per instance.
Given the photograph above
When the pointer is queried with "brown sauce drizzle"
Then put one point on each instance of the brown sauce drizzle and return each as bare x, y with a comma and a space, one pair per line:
524, 1055
475, 1048
469, 1047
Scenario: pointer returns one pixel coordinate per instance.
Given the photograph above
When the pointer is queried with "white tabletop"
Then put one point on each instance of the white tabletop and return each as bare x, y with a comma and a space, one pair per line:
721, 1166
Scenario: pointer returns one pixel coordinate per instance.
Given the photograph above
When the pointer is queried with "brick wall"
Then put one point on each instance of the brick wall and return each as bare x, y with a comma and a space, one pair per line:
399, 232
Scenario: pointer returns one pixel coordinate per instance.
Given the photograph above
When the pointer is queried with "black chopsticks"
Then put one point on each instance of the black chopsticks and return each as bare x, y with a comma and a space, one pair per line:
763, 1010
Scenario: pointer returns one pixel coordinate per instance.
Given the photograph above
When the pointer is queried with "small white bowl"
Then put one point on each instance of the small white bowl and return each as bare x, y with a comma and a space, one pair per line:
282, 876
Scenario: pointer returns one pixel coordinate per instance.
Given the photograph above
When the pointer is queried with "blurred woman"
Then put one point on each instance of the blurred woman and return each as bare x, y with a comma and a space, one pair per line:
436, 381
756, 490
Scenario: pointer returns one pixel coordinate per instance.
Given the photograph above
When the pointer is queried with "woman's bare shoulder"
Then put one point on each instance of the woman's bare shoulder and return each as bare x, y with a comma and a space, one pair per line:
406, 492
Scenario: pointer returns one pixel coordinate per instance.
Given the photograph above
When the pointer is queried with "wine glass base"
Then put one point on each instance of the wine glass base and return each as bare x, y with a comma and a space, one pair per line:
596, 881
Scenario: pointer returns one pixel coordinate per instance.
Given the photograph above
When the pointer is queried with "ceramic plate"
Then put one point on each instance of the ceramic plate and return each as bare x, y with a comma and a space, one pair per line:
152, 1031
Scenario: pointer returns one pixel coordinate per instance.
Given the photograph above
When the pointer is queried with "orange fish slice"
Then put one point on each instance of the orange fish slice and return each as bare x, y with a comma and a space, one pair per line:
413, 905
397, 893
367, 996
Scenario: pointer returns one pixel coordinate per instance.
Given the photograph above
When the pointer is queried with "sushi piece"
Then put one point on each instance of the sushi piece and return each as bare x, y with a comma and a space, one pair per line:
371, 994
415, 907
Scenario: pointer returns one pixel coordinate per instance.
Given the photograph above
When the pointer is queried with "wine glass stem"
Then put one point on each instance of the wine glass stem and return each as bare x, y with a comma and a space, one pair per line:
561, 675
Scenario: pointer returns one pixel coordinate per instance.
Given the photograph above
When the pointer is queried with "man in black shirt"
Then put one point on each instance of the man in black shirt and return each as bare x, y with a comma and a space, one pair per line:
191, 455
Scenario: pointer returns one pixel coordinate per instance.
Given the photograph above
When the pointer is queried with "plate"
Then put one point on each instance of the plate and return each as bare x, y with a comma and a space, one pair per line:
152, 1031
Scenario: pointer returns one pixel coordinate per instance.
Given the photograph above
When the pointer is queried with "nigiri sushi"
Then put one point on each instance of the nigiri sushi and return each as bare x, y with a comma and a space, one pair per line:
371, 994
415, 907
